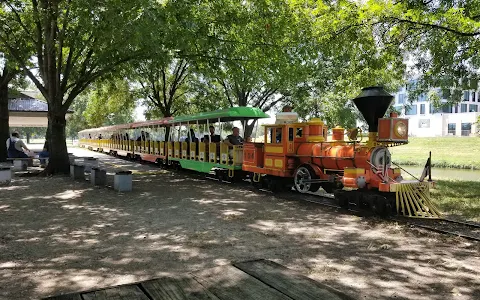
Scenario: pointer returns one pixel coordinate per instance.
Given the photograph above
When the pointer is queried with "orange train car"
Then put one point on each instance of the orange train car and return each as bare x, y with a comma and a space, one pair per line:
358, 172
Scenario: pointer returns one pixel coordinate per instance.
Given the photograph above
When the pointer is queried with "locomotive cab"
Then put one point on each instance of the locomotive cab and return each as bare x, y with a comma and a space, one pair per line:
274, 155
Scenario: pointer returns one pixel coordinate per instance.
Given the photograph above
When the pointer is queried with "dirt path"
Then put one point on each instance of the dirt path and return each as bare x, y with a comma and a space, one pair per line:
60, 236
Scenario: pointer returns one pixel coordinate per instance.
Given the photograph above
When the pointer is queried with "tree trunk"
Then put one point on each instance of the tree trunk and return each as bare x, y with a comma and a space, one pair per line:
28, 137
58, 161
248, 130
4, 115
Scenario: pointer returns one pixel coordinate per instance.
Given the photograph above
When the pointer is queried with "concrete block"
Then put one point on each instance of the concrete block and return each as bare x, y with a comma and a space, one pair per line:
78, 172
90, 162
20, 165
5, 175
98, 177
122, 181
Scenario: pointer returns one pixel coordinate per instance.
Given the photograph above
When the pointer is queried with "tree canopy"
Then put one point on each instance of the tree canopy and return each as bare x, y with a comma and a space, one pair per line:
438, 39
181, 56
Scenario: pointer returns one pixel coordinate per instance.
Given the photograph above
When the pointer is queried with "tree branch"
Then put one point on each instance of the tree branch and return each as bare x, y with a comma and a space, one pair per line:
91, 77
61, 40
39, 43
19, 20
434, 26
227, 93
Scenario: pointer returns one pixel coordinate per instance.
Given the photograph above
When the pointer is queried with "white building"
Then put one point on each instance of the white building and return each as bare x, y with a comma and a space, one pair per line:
425, 121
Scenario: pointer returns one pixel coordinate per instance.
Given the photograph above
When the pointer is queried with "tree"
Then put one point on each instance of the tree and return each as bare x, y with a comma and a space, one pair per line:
110, 102
163, 86
439, 38
10, 76
76, 122
6, 75
75, 43
262, 51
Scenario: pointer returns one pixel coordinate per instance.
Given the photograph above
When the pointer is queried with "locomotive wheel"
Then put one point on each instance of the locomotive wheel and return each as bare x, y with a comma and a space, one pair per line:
301, 180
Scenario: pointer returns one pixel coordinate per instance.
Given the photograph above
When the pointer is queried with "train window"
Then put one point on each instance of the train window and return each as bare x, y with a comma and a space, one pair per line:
290, 134
274, 135
269, 135
278, 137
299, 132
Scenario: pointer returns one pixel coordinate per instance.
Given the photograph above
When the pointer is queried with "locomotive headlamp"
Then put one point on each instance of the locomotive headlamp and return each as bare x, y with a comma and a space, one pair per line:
400, 129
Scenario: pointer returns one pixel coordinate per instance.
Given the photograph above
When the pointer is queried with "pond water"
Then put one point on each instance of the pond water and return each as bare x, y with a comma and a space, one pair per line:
442, 173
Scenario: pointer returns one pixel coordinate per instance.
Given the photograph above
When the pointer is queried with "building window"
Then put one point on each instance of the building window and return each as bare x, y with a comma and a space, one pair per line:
463, 108
465, 95
447, 109
434, 110
398, 109
401, 99
422, 98
422, 109
473, 108
473, 96
452, 128
456, 108
466, 129
412, 110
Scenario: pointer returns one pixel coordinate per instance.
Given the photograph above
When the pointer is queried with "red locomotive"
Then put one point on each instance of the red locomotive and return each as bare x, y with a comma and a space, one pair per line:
358, 173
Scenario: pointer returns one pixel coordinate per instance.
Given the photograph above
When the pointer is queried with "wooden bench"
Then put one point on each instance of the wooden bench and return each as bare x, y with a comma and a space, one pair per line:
250, 280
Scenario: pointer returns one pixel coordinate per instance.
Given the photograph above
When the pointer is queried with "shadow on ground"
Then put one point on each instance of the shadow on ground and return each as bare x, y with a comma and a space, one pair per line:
59, 236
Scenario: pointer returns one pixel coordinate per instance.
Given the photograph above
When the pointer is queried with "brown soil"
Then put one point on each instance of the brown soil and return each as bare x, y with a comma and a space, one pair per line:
59, 236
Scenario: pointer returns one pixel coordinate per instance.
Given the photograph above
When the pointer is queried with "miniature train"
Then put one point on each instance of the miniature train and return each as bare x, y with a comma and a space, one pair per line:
292, 154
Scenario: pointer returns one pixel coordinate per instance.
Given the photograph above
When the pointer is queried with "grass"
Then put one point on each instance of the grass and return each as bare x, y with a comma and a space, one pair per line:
458, 198
447, 152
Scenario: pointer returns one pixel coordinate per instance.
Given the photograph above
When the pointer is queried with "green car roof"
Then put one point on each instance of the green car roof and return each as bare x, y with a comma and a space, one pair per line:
225, 115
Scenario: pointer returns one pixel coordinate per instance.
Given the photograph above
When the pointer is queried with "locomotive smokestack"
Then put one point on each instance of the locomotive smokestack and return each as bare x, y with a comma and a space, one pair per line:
373, 103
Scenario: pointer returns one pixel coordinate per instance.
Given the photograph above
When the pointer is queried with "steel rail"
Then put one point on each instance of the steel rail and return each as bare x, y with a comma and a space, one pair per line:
432, 227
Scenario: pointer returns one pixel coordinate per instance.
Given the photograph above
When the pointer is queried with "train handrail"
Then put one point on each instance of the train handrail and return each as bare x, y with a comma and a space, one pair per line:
405, 170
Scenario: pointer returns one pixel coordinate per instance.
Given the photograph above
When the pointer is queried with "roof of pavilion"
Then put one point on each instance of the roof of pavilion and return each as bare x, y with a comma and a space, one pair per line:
26, 111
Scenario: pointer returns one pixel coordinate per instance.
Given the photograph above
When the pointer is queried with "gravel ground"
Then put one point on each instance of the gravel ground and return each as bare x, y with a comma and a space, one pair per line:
59, 236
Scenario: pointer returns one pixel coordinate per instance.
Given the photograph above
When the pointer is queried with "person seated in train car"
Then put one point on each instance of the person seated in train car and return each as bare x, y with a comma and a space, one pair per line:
16, 147
100, 136
214, 138
141, 137
147, 136
89, 136
192, 137
248, 139
234, 139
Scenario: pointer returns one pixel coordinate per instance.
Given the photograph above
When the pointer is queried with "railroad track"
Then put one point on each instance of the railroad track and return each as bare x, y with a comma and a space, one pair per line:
467, 230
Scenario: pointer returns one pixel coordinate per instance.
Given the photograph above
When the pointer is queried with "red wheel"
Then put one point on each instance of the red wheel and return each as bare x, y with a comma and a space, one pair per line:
302, 180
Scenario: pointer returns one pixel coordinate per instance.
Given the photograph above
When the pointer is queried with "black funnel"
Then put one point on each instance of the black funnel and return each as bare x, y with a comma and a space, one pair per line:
373, 102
